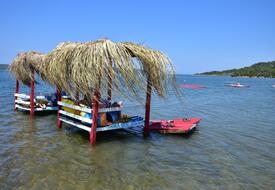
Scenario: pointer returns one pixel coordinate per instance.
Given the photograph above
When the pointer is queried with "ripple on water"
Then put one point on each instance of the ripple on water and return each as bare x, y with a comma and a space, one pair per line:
232, 149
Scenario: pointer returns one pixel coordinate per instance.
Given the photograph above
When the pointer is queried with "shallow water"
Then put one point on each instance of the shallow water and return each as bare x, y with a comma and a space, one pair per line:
233, 148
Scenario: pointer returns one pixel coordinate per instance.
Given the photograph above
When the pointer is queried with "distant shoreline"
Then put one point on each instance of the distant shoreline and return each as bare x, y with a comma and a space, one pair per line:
257, 70
231, 76
4, 66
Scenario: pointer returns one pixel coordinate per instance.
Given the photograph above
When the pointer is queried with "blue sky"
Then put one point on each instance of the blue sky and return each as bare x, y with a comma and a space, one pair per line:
197, 35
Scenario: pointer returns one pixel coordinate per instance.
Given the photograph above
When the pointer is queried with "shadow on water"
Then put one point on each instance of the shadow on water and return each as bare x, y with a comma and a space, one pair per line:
102, 137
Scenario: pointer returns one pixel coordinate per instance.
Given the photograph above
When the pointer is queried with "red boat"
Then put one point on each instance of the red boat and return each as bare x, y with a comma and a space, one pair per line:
174, 126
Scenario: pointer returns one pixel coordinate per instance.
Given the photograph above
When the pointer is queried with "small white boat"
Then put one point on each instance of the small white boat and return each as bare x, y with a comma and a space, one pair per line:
237, 85
273, 85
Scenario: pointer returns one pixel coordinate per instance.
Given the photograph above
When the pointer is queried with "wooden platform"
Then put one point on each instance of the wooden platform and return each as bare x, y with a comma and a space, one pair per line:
18, 104
86, 123
115, 126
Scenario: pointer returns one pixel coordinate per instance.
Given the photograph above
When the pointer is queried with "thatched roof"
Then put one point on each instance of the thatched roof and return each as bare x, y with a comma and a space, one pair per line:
85, 67
25, 64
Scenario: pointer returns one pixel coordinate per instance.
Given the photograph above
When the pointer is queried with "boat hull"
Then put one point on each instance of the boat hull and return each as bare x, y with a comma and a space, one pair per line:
174, 126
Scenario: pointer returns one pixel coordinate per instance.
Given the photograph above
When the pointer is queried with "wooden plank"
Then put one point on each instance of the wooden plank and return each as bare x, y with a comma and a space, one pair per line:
88, 110
65, 96
87, 120
68, 121
46, 109
22, 108
18, 101
36, 109
27, 96
104, 110
121, 126
21, 95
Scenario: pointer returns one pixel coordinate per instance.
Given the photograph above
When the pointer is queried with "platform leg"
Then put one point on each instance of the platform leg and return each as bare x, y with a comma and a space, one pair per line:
109, 87
58, 96
94, 117
32, 98
77, 95
147, 109
16, 91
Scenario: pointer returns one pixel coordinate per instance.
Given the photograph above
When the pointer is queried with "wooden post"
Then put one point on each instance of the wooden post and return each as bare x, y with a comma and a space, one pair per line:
94, 117
32, 96
58, 96
147, 108
77, 95
109, 87
16, 91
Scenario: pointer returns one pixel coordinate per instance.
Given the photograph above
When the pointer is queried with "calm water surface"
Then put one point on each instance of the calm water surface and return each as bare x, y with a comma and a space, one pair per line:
234, 147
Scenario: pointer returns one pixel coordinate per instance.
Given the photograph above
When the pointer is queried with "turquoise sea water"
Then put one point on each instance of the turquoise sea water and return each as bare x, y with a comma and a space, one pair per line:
233, 148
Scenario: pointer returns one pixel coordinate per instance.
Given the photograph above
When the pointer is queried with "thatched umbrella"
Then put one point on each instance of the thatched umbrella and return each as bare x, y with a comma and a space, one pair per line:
102, 65
25, 65
87, 67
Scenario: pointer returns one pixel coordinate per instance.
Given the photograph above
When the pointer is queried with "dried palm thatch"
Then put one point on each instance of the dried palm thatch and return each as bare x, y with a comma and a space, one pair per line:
25, 64
86, 67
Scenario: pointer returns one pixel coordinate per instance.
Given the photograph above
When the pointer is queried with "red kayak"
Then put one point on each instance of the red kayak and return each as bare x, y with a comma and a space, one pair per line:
174, 126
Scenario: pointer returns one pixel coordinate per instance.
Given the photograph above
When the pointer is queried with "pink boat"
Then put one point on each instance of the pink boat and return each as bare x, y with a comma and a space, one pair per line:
191, 86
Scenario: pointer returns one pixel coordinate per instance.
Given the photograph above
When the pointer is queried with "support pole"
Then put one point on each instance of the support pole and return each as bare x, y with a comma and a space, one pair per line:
147, 108
77, 95
94, 117
16, 91
58, 96
32, 96
109, 87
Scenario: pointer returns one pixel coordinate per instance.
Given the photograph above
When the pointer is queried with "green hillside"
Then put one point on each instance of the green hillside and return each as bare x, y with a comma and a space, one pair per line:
262, 69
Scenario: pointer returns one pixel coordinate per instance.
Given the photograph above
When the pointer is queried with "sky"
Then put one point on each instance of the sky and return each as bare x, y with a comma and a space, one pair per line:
197, 35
